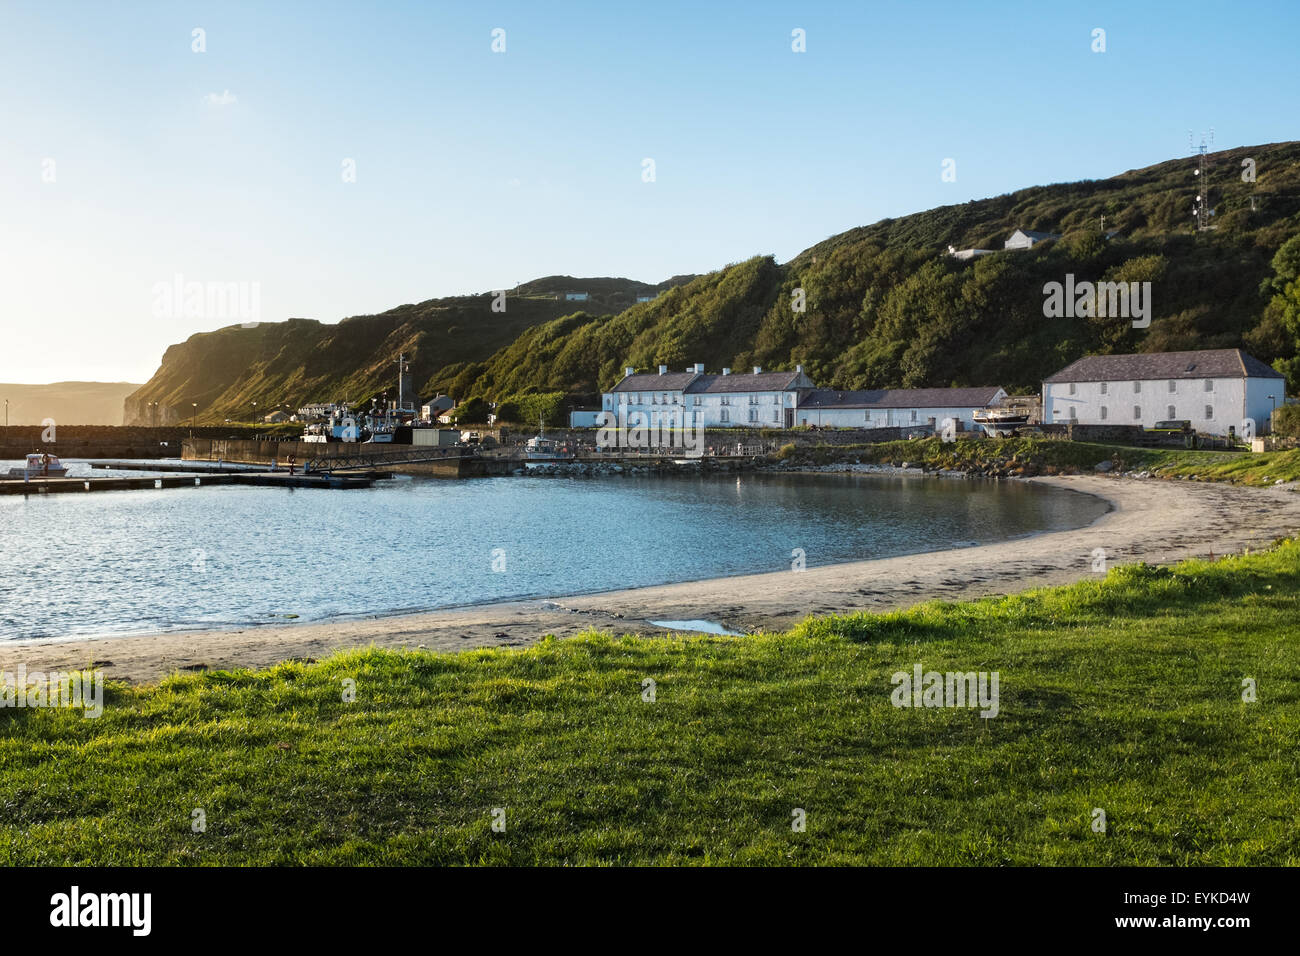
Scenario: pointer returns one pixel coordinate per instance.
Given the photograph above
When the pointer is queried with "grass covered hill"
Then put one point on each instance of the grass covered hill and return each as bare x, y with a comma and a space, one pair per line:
303, 360
1125, 694
885, 306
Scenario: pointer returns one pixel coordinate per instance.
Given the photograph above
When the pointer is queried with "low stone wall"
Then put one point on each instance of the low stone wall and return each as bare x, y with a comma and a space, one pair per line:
774, 437
1128, 434
107, 441
264, 452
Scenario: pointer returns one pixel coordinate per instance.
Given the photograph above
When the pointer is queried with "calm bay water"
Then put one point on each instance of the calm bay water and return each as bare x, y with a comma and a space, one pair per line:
152, 561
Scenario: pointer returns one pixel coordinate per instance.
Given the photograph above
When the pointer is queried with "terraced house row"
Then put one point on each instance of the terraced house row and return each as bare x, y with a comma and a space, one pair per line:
1215, 390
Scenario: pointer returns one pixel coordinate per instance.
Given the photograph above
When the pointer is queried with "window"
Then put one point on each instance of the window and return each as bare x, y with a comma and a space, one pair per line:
675, 399
1103, 413
753, 399
695, 400
1209, 386
725, 400
1073, 388
753, 414
776, 414
1074, 413
776, 399
914, 414
1137, 413
622, 399
1103, 389
1137, 388
1170, 412
1173, 386
725, 416
654, 399
1209, 412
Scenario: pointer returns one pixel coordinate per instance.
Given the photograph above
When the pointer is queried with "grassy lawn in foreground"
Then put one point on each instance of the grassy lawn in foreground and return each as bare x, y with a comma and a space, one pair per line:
1123, 694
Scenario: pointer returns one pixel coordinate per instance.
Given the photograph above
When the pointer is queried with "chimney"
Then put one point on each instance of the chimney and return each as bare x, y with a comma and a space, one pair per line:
798, 369
758, 369
699, 367
726, 371
628, 370
663, 369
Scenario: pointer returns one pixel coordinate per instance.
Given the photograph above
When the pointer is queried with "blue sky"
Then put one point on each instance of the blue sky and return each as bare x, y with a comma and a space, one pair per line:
476, 170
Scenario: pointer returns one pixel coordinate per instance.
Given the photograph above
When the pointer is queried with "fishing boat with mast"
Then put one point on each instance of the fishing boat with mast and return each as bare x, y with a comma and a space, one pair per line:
540, 449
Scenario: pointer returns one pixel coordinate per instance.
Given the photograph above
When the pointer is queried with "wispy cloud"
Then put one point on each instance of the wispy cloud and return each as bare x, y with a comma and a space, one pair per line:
221, 99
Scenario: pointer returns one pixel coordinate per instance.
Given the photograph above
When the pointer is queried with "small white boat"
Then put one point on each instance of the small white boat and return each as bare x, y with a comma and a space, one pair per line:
539, 447
40, 465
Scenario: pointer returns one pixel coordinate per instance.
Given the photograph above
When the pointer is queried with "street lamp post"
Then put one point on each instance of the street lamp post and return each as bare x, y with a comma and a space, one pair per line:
194, 411
1273, 399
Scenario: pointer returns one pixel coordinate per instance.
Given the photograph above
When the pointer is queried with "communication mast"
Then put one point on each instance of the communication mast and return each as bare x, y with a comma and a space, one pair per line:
1201, 209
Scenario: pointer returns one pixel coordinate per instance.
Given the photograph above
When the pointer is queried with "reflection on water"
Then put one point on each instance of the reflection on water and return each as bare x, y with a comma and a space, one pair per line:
148, 561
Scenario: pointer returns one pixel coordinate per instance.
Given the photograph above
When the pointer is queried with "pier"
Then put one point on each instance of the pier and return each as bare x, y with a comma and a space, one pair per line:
55, 486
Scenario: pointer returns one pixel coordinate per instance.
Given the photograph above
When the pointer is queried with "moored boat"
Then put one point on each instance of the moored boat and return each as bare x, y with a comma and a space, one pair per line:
541, 448
40, 465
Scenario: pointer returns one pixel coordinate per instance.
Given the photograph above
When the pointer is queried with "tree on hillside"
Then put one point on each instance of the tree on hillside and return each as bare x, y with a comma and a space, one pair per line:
1283, 310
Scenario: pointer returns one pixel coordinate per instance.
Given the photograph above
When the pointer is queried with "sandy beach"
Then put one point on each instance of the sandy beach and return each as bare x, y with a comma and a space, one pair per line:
1150, 520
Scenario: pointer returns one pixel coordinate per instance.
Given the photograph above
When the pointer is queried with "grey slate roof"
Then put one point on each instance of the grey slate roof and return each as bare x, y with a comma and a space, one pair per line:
1204, 363
697, 383
650, 382
903, 398
748, 382
1037, 236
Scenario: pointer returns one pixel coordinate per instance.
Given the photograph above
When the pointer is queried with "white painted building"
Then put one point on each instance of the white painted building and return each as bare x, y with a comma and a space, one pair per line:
584, 418
1214, 389
891, 407
435, 408
1027, 238
684, 399
964, 254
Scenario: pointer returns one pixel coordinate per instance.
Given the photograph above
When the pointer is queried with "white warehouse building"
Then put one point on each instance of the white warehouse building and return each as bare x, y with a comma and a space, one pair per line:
1214, 389
886, 407
684, 399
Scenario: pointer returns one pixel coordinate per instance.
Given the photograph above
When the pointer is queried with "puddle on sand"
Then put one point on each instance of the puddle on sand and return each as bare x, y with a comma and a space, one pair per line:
700, 626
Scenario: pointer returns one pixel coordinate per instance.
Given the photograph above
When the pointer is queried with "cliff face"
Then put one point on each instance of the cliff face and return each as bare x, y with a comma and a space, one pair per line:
220, 375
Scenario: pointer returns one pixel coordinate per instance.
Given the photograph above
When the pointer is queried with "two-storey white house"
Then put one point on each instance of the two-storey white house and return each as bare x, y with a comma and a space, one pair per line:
684, 399
1214, 389
886, 407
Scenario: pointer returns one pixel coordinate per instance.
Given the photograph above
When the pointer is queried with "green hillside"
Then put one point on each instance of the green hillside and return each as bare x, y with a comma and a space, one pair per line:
303, 360
885, 305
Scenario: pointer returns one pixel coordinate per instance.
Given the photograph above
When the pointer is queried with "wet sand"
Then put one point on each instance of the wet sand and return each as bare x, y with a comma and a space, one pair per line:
1150, 520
